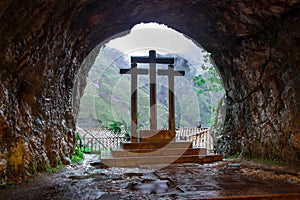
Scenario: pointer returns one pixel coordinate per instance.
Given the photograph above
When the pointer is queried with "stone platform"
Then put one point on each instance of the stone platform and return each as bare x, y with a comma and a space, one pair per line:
157, 147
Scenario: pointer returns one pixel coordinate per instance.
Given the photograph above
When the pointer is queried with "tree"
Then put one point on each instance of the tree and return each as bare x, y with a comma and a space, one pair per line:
115, 127
210, 79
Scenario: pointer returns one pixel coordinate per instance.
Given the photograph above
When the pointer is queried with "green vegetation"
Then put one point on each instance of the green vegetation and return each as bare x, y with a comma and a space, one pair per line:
261, 160
7, 184
34, 167
115, 127
82, 148
254, 159
78, 138
50, 169
210, 80
85, 150
212, 83
236, 155
97, 108
78, 156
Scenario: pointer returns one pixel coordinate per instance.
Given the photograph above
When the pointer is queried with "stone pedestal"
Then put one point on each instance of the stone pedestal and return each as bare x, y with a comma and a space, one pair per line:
157, 147
148, 136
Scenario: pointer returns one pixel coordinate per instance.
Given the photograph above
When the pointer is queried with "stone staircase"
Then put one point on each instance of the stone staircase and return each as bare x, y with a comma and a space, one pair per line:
157, 147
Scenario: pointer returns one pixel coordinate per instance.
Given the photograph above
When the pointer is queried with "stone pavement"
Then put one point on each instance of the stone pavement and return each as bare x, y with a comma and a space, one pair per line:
228, 179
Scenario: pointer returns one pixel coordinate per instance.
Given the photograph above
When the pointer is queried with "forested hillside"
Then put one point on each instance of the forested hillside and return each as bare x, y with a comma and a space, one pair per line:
107, 94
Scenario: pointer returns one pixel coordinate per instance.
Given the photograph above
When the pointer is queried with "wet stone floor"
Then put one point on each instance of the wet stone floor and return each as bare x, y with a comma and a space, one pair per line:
227, 178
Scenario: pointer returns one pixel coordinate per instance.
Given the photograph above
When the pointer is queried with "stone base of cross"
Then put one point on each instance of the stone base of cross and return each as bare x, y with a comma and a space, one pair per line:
134, 71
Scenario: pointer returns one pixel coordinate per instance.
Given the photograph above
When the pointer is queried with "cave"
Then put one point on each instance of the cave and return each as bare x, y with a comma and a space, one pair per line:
254, 44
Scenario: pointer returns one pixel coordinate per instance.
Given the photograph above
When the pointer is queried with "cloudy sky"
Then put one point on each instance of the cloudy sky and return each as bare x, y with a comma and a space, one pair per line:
145, 37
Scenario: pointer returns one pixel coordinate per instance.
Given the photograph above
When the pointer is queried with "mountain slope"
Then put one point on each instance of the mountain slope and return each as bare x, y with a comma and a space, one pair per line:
107, 94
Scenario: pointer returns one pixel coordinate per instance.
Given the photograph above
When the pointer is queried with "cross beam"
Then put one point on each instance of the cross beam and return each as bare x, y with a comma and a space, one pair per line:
170, 72
134, 71
151, 59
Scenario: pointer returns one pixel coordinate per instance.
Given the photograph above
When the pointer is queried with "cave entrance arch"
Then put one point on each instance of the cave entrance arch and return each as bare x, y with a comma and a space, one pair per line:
189, 56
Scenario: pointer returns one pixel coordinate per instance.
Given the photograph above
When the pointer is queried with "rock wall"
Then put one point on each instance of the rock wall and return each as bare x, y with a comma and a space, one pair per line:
36, 82
42, 45
262, 83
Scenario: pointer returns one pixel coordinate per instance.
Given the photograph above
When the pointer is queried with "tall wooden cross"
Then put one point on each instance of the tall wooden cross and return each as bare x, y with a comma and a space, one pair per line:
134, 71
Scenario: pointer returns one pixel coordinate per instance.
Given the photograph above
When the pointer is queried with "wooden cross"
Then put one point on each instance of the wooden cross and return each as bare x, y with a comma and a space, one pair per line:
170, 72
152, 60
134, 71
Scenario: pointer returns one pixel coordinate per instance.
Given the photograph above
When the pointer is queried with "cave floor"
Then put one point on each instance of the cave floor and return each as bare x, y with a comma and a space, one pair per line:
230, 178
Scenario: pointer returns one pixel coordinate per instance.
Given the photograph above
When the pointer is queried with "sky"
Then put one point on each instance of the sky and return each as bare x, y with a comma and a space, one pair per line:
145, 37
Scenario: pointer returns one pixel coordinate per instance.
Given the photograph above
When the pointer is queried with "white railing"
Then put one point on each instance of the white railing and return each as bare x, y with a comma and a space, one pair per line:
199, 136
96, 139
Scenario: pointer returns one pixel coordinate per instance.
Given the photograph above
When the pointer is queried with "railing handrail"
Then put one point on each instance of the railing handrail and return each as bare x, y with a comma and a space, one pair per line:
117, 136
199, 136
93, 136
197, 133
104, 137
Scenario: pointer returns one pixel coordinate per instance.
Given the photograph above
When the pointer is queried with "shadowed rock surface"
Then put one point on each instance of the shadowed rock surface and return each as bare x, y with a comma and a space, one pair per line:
255, 45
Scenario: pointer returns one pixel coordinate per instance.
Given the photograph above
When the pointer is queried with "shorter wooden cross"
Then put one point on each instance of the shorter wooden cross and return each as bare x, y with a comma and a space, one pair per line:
134, 71
170, 72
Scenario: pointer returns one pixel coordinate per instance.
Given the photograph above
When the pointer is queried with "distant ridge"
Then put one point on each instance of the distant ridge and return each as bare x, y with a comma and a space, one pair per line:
107, 95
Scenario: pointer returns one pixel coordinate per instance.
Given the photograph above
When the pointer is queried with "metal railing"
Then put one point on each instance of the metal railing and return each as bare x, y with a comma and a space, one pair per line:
99, 140
200, 137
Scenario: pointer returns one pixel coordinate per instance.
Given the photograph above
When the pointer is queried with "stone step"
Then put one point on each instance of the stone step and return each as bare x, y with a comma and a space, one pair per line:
137, 161
156, 145
159, 152
155, 139
156, 135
